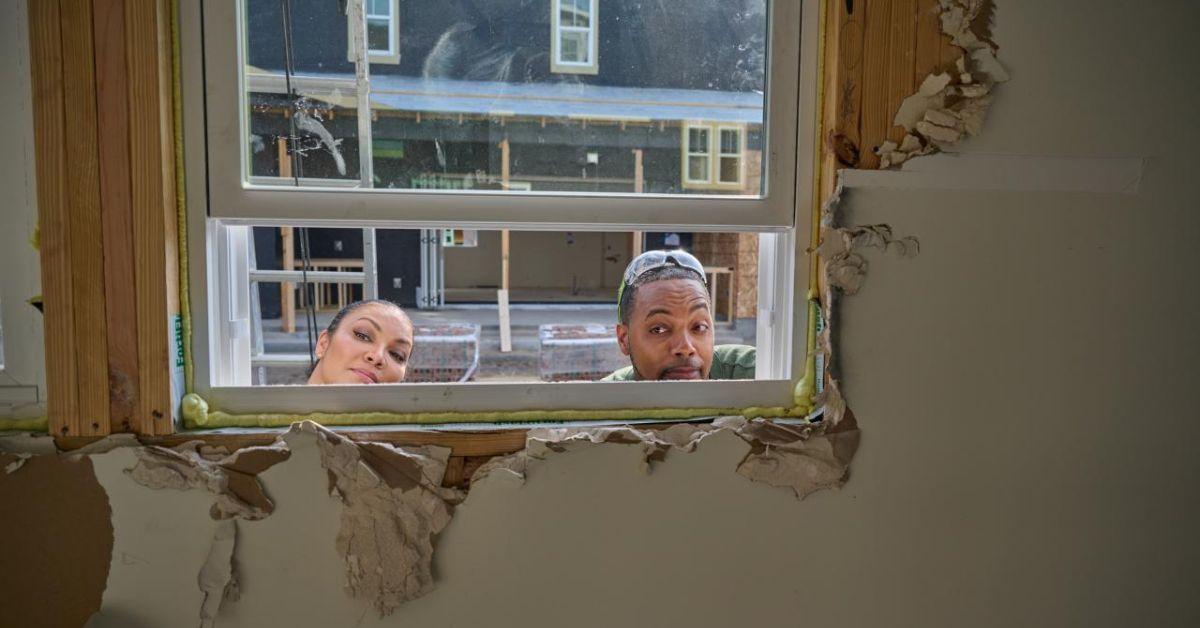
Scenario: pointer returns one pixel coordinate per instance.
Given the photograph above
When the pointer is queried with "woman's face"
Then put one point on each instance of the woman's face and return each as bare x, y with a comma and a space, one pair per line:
370, 346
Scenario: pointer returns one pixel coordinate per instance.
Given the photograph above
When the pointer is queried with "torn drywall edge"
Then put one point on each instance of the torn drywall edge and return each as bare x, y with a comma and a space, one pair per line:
1016, 173
949, 106
804, 458
393, 508
230, 478
162, 540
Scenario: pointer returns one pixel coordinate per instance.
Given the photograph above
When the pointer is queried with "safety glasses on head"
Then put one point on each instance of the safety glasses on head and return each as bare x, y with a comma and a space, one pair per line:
654, 260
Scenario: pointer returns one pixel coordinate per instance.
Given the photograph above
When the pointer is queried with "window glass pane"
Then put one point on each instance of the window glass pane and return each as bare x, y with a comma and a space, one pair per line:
574, 47
729, 141
698, 168
476, 94
729, 169
379, 7
378, 35
563, 288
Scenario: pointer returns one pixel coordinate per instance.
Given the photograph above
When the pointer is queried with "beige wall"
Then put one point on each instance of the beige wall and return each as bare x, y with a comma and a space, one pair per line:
541, 259
1025, 387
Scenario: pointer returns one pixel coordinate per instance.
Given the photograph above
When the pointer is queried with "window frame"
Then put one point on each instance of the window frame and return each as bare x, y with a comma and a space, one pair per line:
783, 262
392, 54
557, 64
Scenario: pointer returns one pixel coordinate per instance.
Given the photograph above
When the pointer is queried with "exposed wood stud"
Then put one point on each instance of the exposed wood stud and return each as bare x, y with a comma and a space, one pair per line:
86, 224
152, 168
116, 206
876, 117
46, 65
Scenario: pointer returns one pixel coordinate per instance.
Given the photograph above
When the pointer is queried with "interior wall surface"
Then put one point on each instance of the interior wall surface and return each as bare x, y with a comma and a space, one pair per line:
1025, 388
23, 371
560, 260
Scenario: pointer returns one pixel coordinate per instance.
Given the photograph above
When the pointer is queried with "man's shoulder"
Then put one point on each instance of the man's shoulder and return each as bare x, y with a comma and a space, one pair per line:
733, 362
623, 374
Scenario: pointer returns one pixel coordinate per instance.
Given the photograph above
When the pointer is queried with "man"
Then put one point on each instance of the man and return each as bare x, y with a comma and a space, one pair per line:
666, 325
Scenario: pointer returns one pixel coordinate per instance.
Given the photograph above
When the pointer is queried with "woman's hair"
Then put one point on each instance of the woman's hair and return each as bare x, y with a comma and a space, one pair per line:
337, 320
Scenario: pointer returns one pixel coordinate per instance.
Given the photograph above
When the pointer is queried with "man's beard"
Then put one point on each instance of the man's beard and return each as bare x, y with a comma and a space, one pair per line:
691, 363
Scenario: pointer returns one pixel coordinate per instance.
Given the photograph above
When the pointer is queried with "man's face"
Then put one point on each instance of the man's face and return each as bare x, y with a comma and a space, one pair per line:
669, 335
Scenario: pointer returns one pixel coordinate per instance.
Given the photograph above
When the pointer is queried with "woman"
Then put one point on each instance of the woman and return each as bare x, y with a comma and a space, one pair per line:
368, 342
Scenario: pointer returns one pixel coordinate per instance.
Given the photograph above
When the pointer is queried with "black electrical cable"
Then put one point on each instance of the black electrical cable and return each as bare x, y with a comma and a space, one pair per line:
306, 288
310, 308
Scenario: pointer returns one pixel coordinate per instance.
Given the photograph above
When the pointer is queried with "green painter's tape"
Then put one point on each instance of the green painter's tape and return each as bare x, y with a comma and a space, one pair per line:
197, 415
40, 424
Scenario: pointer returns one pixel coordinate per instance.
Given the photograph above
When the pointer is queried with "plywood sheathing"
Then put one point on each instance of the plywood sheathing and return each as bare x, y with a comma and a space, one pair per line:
57, 536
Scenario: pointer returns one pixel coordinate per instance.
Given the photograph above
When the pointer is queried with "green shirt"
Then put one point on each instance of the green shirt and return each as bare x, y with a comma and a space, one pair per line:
729, 362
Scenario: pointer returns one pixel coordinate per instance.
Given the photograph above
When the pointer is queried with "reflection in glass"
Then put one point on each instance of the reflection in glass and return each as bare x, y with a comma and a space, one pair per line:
470, 96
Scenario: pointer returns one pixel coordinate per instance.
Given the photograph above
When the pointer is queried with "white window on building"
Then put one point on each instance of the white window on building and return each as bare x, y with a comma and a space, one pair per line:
698, 149
714, 156
729, 165
382, 19
574, 36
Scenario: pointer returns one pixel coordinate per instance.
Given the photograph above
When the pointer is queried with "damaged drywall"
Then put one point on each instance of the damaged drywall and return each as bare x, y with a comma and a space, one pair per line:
949, 106
393, 508
180, 511
805, 457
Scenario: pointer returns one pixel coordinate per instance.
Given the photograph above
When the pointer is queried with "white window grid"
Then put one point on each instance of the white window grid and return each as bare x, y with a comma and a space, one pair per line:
372, 13
692, 151
214, 123
571, 7
738, 152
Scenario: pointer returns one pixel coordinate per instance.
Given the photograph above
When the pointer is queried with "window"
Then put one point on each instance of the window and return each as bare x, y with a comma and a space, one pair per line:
714, 156
574, 27
699, 155
473, 137
382, 31
729, 166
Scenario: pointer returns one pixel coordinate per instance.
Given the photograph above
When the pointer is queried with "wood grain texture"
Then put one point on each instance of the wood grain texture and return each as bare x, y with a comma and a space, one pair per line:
844, 85
116, 208
927, 54
901, 60
148, 115
83, 201
876, 117
46, 65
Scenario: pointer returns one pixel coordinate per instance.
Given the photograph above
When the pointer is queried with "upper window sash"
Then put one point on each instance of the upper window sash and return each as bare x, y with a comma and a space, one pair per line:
233, 197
